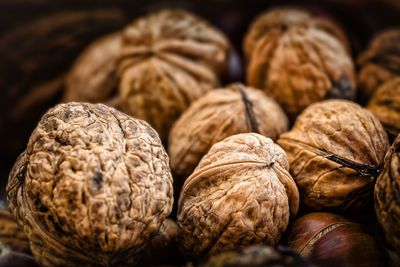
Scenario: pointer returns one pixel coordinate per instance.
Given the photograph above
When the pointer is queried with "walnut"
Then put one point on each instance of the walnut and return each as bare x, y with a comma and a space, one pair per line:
385, 105
387, 196
335, 150
241, 193
92, 187
11, 234
168, 60
93, 77
298, 59
217, 115
378, 63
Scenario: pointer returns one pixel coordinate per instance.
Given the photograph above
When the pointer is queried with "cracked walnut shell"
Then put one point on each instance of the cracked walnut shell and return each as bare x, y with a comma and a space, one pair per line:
241, 193
387, 196
298, 59
217, 115
92, 187
168, 60
335, 150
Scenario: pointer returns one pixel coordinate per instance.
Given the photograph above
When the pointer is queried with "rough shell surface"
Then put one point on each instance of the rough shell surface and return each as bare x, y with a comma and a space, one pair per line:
217, 115
93, 77
385, 105
335, 150
241, 193
379, 63
168, 60
92, 187
298, 59
387, 196
11, 234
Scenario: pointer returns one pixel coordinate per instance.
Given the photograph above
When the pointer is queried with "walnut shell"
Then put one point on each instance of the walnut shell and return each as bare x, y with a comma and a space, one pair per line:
335, 150
378, 63
92, 187
385, 105
93, 77
217, 115
168, 60
387, 196
241, 193
298, 59
11, 234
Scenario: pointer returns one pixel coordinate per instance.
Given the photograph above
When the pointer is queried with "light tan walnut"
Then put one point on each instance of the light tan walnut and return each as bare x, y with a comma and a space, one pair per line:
298, 59
168, 60
92, 187
217, 115
335, 150
241, 193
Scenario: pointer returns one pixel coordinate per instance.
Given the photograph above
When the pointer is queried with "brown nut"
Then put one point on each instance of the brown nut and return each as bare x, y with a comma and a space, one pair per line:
217, 115
93, 77
385, 105
92, 187
298, 59
387, 196
11, 234
241, 193
335, 150
168, 60
379, 63
327, 239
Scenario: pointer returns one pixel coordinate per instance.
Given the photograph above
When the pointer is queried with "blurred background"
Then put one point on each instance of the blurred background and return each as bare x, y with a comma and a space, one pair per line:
40, 39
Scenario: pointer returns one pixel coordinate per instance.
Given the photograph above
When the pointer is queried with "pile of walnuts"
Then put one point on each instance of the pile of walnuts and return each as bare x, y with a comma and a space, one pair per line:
174, 167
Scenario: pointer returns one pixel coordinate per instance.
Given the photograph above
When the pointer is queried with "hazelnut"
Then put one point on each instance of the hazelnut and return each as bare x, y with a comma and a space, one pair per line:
335, 150
217, 115
378, 63
327, 239
92, 187
168, 59
241, 193
387, 196
93, 77
385, 105
11, 234
298, 59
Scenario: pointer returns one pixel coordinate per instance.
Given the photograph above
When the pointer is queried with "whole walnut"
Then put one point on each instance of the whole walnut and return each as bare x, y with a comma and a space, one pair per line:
168, 60
93, 77
378, 63
335, 150
217, 115
387, 196
385, 105
298, 59
92, 187
11, 234
240, 194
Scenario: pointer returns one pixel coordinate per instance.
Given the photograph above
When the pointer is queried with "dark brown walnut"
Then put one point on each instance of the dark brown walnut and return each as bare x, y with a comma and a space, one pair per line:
11, 234
217, 115
93, 77
387, 196
168, 60
298, 59
92, 187
327, 239
240, 194
379, 62
385, 105
335, 150
256, 256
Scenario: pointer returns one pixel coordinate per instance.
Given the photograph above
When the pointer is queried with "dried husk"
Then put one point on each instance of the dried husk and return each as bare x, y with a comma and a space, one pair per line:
387, 196
168, 60
217, 115
241, 193
92, 187
298, 59
335, 150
